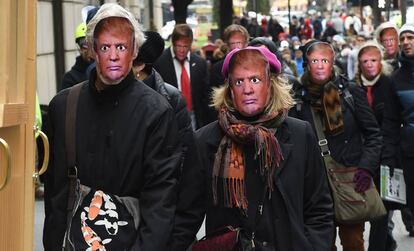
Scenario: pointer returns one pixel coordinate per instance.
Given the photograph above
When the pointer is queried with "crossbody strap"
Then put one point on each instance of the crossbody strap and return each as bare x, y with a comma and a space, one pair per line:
322, 141
70, 141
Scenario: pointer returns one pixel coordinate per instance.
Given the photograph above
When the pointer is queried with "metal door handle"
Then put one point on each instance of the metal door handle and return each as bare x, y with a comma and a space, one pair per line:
45, 141
6, 147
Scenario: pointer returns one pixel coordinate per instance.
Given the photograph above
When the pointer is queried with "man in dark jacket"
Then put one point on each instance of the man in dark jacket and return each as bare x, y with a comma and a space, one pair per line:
263, 169
186, 71
350, 127
126, 137
398, 123
189, 212
78, 73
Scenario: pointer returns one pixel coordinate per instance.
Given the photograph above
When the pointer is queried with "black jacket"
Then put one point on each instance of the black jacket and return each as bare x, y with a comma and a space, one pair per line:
380, 94
177, 102
299, 214
198, 81
77, 73
189, 213
127, 145
360, 143
400, 111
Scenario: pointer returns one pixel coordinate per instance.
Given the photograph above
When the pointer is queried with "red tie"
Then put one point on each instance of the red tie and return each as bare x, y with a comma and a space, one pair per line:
185, 86
369, 95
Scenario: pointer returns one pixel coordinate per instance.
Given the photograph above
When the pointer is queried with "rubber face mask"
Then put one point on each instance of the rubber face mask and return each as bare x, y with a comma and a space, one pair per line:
114, 54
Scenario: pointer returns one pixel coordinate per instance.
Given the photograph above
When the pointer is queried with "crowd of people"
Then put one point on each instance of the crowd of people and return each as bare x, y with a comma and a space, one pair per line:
229, 136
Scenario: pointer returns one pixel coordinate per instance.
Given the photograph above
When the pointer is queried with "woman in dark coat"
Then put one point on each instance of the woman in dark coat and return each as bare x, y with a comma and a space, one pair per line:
351, 130
263, 169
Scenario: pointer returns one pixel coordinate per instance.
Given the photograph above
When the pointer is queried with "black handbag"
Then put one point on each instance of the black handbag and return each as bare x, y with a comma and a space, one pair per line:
349, 205
235, 239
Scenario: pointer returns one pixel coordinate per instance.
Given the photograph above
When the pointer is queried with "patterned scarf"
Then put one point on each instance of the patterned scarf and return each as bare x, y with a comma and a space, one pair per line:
229, 164
328, 102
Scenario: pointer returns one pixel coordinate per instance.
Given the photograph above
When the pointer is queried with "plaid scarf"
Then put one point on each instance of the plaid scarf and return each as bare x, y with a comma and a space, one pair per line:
328, 103
229, 164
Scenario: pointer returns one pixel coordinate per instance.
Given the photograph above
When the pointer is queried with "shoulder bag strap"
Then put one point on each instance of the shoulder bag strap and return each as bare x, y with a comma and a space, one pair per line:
70, 141
322, 141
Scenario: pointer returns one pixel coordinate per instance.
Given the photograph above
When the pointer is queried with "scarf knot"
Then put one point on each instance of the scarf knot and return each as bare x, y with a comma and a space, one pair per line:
229, 164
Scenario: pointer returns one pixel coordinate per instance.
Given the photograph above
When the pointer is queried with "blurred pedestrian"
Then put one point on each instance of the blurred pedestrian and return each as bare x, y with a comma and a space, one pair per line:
387, 35
78, 72
186, 71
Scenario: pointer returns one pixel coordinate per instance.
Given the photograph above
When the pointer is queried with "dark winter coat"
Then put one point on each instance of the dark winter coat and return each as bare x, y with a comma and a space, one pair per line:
127, 145
360, 143
177, 102
299, 215
400, 111
77, 74
189, 213
380, 95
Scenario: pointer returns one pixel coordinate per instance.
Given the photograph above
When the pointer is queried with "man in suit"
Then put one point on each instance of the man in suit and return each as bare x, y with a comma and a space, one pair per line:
187, 71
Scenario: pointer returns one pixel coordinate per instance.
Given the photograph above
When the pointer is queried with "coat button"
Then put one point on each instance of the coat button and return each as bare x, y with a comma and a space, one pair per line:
116, 103
264, 244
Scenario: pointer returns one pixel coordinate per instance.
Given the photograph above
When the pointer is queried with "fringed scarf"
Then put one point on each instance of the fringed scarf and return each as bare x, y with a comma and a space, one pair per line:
328, 103
229, 164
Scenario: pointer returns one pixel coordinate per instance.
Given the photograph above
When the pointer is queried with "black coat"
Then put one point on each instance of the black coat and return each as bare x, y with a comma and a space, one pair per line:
300, 211
198, 81
400, 111
77, 74
189, 213
360, 143
380, 94
127, 145
177, 102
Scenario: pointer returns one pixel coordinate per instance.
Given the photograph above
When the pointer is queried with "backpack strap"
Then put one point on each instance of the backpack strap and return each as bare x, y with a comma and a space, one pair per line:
349, 99
70, 141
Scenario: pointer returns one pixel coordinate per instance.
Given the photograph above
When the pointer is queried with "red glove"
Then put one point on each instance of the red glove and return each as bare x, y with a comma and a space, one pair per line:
362, 179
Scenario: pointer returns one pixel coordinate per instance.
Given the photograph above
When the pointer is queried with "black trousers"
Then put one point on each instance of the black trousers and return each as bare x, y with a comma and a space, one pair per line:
408, 167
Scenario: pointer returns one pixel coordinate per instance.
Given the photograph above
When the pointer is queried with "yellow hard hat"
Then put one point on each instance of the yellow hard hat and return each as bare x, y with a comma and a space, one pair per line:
80, 31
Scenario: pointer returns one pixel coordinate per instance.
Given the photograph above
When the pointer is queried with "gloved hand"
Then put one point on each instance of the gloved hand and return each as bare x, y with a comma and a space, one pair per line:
362, 179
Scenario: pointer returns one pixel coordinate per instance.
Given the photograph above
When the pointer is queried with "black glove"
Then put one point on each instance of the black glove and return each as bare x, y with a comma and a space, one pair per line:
362, 179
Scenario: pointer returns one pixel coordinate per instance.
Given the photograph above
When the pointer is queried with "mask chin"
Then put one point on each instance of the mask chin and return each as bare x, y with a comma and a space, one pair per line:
106, 81
110, 82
